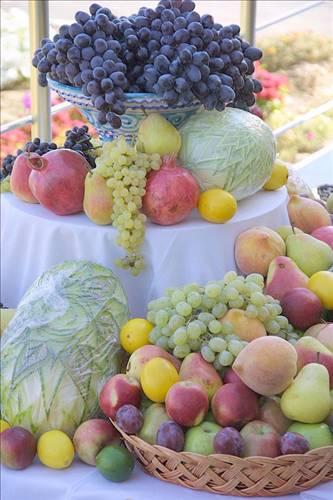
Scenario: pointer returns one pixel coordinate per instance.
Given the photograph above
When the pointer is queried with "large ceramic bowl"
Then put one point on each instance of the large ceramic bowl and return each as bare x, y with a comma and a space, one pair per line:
138, 106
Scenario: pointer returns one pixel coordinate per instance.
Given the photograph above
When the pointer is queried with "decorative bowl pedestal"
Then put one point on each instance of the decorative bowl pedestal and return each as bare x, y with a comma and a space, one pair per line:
138, 106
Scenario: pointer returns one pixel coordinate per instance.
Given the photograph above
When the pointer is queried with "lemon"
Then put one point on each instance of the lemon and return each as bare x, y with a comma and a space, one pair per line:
321, 284
55, 449
278, 178
157, 376
217, 205
135, 334
4, 425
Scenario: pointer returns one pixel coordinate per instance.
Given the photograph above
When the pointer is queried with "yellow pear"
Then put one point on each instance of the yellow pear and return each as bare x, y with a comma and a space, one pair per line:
307, 399
97, 202
157, 135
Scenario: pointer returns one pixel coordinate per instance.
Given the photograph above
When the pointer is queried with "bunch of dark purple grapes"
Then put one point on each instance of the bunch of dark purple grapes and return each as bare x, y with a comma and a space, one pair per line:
35, 146
78, 139
171, 51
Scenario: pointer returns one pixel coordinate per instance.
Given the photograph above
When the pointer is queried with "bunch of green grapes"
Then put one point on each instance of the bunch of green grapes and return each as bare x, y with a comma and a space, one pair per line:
125, 170
187, 319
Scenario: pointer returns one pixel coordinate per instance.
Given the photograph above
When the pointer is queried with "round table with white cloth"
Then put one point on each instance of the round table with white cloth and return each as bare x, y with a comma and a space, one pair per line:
83, 482
34, 239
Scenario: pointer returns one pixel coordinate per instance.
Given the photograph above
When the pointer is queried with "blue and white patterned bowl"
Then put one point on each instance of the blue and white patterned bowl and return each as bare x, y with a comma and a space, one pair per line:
139, 105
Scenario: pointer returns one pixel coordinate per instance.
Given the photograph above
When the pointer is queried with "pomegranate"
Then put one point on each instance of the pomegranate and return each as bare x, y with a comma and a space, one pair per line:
19, 178
171, 193
57, 180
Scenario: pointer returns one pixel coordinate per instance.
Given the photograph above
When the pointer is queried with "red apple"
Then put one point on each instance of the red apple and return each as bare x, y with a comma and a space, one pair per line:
234, 405
260, 440
195, 368
118, 391
325, 234
231, 377
271, 413
310, 350
17, 448
302, 308
91, 436
187, 403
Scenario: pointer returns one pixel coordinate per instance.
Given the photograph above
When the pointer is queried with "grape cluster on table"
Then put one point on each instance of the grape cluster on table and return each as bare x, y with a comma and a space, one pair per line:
78, 139
186, 319
171, 51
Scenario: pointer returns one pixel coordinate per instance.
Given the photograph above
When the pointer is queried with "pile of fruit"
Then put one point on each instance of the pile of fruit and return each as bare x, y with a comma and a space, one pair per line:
242, 366
171, 51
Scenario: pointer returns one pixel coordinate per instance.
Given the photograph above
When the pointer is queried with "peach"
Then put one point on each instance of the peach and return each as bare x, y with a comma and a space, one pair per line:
117, 391
145, 353
260, 440
271, 413
256, 247
234, 405
245, 328
195, 368
17, 448
311, 350
267, 365
322, 332
324, 233
91, 436
19, 179
187, 403
307, 214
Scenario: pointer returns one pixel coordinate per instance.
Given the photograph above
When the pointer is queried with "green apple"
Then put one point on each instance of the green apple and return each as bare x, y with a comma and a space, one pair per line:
199, 439
318, 435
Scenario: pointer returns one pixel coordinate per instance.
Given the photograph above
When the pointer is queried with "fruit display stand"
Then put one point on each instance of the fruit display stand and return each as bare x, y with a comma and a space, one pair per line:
193, 250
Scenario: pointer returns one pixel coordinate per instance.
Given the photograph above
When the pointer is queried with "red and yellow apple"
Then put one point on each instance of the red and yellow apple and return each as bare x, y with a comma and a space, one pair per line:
119, 390
187, 403
195, 368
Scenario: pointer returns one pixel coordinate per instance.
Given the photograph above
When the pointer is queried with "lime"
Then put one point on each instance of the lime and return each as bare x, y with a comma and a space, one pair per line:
115, 463
278, 178
135, 334
157, 376
216, 205
55, 449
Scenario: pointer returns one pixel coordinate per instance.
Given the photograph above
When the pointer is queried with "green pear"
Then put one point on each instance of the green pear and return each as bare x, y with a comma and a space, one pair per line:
154, 416
310, 255
307, 399
97, 201
285, 231
157, 135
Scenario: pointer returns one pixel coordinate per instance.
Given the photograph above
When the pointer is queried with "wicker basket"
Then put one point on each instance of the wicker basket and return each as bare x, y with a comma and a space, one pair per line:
225, 474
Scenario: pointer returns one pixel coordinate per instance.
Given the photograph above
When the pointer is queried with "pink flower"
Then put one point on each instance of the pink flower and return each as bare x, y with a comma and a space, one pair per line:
310, 135
26, 100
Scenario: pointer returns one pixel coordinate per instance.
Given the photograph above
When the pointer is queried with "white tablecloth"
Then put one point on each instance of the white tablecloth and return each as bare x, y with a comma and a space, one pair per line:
82, 482
33, 240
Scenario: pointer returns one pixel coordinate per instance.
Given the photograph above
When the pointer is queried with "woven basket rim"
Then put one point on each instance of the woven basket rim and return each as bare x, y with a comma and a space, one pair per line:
134, 440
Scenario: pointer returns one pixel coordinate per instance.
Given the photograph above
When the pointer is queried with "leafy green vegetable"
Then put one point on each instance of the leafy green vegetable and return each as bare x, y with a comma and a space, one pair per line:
61, 346
233, 150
